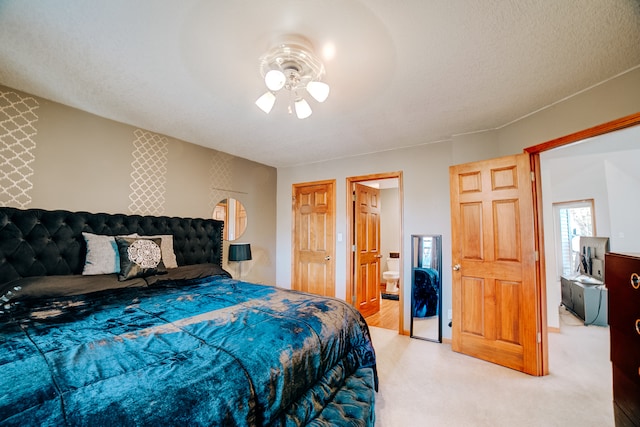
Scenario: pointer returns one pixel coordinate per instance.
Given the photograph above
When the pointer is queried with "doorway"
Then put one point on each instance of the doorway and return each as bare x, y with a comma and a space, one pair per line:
548, 153
546, 240
388, 187
595, 174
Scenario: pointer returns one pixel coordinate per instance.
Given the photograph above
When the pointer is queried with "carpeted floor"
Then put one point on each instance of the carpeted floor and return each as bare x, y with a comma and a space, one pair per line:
426, 384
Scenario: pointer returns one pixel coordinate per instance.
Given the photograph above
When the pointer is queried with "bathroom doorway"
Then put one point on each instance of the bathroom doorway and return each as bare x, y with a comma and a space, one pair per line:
389, 252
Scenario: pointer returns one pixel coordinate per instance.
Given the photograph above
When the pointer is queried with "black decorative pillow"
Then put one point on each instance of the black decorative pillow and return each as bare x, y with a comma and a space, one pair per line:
139, 257
168, 255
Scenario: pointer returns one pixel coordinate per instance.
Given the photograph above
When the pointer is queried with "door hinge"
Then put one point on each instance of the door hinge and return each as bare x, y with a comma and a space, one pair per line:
537, 254
353, 248
539, 337
353, 196
533, 177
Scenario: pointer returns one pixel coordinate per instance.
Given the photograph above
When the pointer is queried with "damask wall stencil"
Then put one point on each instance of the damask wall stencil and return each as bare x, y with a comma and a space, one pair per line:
219, 178
18, 116
149, 176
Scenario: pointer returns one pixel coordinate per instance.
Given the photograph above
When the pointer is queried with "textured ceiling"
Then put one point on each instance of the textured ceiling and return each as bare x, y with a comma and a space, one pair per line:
404, 73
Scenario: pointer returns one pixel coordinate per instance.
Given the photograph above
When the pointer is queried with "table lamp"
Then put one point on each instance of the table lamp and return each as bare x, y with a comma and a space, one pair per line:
239, 252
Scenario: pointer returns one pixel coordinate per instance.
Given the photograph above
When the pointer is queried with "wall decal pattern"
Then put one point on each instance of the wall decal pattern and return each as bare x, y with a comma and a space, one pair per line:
18, 116
149, 176
220, 178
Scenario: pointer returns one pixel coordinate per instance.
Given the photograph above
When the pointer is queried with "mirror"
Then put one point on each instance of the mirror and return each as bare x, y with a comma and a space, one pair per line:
234, 215
426, 295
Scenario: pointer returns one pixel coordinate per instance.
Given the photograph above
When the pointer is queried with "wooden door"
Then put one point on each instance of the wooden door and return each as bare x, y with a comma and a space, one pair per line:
496, 308
313, 238
367, 249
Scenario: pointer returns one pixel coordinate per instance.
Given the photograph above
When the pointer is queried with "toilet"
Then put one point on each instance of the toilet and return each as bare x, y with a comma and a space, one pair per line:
392, 275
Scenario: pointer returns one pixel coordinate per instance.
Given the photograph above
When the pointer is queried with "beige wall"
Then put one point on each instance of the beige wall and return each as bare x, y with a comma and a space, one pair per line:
474, 147
85, 162
616, 98
425, 201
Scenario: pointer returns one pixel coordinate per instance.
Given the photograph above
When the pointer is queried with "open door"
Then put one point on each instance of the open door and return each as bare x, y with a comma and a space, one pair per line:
496, 304
367, 249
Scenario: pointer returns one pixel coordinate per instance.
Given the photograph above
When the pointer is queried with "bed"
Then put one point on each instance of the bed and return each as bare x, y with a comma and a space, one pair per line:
164, 340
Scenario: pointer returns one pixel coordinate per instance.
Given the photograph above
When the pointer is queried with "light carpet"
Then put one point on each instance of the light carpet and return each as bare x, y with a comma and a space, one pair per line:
427, 384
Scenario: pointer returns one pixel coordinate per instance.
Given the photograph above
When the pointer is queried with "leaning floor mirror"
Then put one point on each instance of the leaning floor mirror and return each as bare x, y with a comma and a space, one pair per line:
426, 295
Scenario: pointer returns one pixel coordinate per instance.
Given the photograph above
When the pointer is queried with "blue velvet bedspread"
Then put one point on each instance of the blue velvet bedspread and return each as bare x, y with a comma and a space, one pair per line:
211, 352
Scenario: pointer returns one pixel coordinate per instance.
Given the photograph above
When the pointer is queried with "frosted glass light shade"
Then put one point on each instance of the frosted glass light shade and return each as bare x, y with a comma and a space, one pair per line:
319, 90
302, 109
275, 79
266, 101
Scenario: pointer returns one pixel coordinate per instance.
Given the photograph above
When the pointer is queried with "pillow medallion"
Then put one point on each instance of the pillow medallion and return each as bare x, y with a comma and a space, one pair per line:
139, 257
166, 246
145, 253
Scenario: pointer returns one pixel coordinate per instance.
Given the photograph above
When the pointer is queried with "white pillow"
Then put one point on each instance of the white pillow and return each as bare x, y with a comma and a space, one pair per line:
166, 247
102, 255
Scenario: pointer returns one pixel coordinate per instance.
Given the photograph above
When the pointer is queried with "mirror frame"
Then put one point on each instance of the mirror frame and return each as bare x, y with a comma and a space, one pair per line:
417, 248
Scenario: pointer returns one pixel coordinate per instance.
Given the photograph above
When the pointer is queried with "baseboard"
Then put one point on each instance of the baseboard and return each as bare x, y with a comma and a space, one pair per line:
553, 329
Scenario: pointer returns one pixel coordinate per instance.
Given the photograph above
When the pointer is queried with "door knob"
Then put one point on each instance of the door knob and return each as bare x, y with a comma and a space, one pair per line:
456, 267
378, 256
327, 258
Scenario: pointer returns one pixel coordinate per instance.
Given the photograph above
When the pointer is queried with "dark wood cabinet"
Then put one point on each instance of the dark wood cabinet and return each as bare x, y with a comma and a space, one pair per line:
622, 275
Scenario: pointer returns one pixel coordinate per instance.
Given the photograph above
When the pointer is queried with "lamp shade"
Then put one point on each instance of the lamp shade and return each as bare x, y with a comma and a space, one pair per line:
275, 80
303, 110
239, 252
319, 90
266, 101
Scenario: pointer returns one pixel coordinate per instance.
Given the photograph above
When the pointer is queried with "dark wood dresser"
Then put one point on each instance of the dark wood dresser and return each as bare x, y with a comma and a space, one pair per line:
622, 276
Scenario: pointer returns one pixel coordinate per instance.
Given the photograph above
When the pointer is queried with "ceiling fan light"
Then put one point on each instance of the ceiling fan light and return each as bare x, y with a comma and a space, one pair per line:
303, 110
266, 101
293, 66
319, 90
275, 80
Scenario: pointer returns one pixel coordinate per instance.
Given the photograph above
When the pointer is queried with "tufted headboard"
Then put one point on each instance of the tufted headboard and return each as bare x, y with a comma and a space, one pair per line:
36, 242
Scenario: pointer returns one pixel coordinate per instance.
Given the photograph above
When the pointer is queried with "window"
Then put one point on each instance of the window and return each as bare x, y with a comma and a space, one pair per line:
572, 220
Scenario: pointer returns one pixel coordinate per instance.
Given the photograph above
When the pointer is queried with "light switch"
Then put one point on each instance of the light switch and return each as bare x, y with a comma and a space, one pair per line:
339, 237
